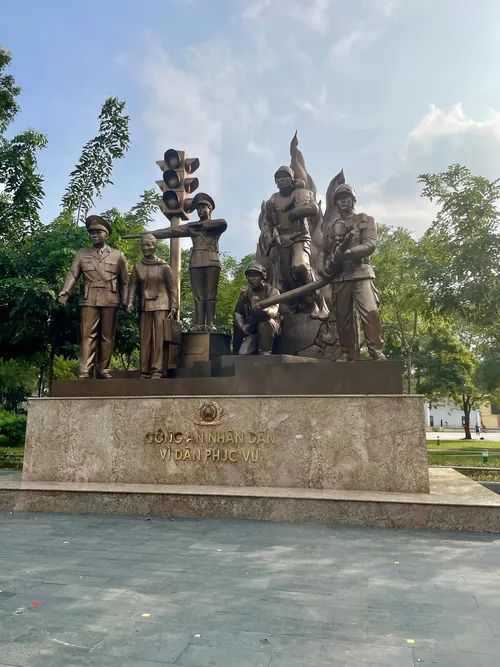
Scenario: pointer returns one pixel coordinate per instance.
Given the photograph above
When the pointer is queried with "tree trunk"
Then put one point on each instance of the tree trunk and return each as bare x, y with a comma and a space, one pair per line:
466, 406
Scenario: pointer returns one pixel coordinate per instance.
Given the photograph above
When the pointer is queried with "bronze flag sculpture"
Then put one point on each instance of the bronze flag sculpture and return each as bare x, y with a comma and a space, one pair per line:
104, 276
153, 280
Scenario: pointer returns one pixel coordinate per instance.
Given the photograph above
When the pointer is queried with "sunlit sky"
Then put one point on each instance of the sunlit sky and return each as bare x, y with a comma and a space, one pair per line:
386, 89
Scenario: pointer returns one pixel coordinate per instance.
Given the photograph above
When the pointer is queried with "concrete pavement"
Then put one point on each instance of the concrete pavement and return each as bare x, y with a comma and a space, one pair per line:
111, 591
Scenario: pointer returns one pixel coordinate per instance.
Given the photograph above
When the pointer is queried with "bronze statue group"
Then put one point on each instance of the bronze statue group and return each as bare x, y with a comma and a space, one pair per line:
311, 272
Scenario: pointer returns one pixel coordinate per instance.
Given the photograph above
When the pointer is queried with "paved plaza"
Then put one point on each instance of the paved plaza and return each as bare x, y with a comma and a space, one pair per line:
108, 591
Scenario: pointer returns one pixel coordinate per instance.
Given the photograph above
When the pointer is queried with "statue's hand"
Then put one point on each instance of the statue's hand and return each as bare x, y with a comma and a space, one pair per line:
172, 314
338, 256
63, 298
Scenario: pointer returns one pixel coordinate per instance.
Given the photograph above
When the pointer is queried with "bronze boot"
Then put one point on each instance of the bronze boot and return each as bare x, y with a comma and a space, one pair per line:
210, 315
373, 335
199, 316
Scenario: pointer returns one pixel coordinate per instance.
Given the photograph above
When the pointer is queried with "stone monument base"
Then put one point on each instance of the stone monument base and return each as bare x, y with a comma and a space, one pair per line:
455, 503
368, 443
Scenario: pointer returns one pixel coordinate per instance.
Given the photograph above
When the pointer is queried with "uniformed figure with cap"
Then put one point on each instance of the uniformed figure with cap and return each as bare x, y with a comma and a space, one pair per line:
258, 325
285, 226
352, 283
204, 261
104, 287
153, 280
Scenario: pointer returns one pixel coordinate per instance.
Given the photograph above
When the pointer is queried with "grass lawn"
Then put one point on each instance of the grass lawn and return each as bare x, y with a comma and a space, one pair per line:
463, 444
10, 459
475, 461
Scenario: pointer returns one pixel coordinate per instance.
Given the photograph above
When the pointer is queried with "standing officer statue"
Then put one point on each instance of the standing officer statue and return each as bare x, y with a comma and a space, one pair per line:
104, 286
204, 262
152, 278
258, 326
348, 242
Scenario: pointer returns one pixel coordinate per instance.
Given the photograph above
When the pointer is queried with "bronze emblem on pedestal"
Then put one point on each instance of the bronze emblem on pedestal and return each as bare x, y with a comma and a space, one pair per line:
208, 414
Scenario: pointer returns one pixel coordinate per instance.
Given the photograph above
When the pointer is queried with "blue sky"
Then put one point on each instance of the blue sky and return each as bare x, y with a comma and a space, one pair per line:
385, 89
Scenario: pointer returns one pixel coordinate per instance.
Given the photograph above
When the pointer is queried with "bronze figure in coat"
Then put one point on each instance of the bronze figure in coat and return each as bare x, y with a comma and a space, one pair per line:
348, 242
104, 276
204, 260
153, 281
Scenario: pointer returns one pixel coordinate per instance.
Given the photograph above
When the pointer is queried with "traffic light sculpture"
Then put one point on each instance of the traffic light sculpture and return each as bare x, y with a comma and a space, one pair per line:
176, 204
177, 184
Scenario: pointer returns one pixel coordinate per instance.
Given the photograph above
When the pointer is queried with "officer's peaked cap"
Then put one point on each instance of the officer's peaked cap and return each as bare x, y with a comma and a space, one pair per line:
97, 222
202, 198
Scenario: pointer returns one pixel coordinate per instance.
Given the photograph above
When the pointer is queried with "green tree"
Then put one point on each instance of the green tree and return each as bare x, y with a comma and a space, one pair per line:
403, 296
18, 380
8, 92
95, 166
450, 370
462, 246
22, 190
32, 322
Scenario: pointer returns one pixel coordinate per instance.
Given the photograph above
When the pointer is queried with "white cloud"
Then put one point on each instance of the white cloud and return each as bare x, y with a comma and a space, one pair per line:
213, 104
386, 7
262, 152
318, 107
255, 9
315, 14
358, 39
439, 139
264, 58
438, 123
400, 209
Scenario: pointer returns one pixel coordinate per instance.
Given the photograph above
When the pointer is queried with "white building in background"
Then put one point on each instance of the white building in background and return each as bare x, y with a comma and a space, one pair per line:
448, 415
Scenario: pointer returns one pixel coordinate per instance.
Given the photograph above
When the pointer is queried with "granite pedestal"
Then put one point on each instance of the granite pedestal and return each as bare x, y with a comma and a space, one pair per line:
323, 442
276, 438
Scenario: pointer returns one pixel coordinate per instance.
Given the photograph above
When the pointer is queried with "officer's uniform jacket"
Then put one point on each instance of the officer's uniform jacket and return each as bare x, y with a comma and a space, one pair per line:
104, 277
356, 265
205, 250
154, 282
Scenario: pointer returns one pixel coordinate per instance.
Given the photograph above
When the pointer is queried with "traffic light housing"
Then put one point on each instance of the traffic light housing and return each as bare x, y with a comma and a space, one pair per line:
177, 183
